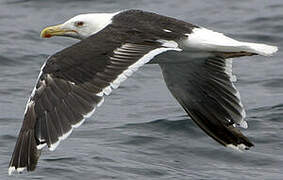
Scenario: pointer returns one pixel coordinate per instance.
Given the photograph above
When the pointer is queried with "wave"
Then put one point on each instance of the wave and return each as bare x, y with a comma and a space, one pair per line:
5, 61
183, 124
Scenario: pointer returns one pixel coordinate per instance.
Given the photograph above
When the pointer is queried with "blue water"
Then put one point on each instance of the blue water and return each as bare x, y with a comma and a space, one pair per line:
141, 132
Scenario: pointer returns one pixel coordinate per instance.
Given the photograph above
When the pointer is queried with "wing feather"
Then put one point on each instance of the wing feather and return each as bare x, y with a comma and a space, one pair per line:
205, 90
70, 88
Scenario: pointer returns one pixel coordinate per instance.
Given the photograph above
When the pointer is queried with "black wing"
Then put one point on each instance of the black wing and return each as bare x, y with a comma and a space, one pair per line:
72, 84
205, 90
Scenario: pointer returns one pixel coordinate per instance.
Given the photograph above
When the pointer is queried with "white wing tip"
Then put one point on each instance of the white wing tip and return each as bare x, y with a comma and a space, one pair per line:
12, 169
243, 124
239, 147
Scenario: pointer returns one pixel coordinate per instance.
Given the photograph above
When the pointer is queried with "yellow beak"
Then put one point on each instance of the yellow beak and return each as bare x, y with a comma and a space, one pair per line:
55, 31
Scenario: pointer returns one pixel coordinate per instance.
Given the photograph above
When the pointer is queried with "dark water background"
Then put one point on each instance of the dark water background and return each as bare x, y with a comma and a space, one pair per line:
141, 132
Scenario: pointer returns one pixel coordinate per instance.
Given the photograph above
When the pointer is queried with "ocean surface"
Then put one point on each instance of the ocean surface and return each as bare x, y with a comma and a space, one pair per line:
141, 132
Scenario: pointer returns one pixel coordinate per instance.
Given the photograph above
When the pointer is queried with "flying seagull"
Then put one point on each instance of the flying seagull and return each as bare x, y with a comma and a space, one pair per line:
195, 62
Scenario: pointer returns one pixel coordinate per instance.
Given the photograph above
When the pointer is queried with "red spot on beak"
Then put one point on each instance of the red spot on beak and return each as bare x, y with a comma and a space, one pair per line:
47, 35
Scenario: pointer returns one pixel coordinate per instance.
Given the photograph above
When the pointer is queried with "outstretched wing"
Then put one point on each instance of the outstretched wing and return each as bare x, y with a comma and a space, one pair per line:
72, 84
205, 89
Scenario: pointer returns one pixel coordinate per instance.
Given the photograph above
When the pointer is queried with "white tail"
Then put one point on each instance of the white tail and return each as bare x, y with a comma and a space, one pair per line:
207, 40
261, 49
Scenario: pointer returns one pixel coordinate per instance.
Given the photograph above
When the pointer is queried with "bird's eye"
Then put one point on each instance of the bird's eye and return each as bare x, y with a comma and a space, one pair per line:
79, 23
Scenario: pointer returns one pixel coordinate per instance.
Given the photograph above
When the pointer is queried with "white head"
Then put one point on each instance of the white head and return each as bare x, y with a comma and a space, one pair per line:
80, 26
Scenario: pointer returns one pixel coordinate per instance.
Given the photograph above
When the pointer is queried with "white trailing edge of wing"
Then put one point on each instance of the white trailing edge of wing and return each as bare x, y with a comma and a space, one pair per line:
166, 46
229, 72
239, 147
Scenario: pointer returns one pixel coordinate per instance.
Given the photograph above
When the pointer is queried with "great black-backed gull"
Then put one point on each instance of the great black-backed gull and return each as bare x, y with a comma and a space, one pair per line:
195, 63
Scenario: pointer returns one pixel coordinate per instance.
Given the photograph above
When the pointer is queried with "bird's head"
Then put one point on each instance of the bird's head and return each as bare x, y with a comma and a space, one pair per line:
80, 26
